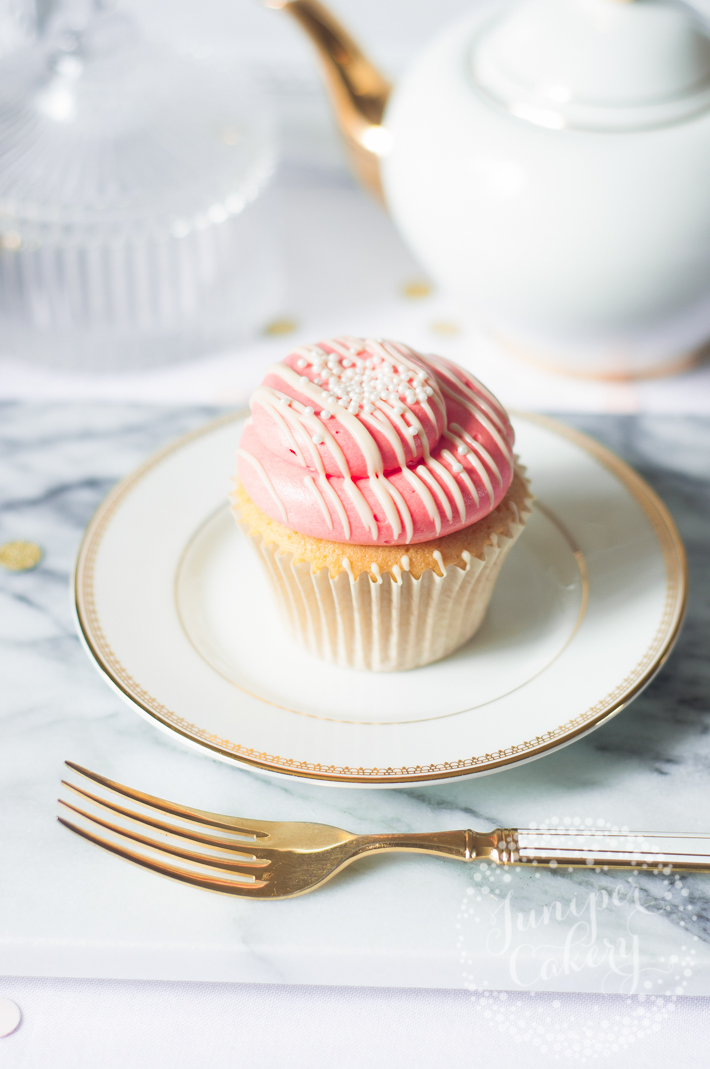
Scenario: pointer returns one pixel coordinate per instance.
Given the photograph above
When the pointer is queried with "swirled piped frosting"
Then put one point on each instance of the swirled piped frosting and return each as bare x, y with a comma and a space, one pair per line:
367, 441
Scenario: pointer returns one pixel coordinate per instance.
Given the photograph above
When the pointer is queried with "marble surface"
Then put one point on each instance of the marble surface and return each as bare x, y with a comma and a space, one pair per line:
67, 909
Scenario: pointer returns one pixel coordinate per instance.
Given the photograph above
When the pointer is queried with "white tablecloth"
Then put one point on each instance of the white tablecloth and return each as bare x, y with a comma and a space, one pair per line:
82, 1024
345, 270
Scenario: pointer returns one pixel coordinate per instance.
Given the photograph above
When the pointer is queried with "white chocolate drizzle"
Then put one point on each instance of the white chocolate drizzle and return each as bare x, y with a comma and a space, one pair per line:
471, 457
462, 474
309, 483
473, 403
466, 442
481, 397
338, 505
425, 473
374, 386
261, 471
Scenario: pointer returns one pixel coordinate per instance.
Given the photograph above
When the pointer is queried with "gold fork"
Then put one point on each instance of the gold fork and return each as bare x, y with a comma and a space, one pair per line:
282, 859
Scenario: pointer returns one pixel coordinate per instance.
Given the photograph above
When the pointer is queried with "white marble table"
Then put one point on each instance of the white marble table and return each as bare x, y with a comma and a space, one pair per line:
68, 910
98, 917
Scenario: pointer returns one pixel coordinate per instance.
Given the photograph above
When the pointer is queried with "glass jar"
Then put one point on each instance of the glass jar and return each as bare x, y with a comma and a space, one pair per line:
132, 227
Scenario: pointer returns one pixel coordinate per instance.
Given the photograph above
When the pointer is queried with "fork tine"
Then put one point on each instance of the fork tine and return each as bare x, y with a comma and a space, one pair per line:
174, 844
207, 882
216, 820
111, 807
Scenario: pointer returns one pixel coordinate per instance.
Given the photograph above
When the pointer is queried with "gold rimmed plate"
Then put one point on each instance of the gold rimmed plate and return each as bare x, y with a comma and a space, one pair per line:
178, 617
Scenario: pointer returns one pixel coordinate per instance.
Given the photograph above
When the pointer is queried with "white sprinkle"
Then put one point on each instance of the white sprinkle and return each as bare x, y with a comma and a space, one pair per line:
398, 409
318, 438
302, 362
367, 407
285, 400
410, 398
413, 431
462, 450
347, 363
317, 380
308, 411
324, 414
428, 391
456, 466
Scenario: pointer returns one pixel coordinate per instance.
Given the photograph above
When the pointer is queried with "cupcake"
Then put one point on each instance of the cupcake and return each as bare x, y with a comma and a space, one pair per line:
380, 490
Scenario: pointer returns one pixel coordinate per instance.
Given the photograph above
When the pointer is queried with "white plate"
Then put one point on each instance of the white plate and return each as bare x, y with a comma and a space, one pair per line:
179, 617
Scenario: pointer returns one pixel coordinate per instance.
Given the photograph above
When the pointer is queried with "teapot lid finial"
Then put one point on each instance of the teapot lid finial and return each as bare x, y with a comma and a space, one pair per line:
595, 64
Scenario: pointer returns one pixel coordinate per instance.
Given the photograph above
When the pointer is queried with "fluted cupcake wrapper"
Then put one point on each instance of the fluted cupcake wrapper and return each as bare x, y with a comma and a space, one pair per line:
384, 624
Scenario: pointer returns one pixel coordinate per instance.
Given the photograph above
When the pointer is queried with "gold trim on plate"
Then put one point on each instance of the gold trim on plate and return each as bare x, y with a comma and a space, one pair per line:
657, 652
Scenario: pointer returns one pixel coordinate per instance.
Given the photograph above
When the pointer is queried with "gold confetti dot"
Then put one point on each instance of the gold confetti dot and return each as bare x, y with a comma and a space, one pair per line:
20, 556
416, 289
280, 326
444, 326
10, 240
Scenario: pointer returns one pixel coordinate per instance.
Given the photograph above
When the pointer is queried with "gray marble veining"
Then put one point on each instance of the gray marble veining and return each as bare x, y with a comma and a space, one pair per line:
67, 909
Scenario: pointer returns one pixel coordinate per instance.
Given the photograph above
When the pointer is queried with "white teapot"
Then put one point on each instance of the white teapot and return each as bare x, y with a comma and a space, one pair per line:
548, 162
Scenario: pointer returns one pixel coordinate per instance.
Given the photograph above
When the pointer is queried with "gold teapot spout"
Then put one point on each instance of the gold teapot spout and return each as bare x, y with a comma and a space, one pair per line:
358, 91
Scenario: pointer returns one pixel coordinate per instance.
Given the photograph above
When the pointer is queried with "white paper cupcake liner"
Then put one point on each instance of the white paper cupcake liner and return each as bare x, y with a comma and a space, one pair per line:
384, 624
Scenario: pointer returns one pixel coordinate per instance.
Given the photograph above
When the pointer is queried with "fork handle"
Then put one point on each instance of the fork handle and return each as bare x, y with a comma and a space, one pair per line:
456, 844
600, 847
576, 847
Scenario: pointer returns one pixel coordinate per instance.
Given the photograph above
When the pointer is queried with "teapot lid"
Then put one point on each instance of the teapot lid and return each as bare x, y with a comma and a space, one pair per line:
595, 64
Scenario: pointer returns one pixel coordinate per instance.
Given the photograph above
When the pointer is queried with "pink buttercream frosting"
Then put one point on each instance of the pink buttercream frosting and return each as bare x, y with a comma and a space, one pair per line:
369, 442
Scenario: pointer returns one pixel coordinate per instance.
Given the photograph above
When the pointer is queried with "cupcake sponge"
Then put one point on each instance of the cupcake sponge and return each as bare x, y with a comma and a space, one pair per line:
386, 608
